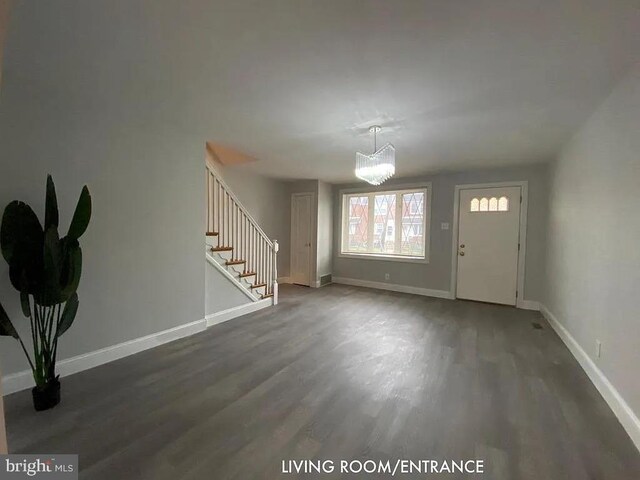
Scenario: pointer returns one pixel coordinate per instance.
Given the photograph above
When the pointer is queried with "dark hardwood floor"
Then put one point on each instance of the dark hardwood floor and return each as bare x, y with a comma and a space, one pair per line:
338, 373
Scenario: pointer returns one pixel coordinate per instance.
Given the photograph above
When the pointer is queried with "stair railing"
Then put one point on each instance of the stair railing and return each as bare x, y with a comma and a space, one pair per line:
234, 227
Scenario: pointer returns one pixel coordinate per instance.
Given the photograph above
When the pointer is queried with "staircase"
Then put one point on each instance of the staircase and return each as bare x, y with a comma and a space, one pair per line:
236, 244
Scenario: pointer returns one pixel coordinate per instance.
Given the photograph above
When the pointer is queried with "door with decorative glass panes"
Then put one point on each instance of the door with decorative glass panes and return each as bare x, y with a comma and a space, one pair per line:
488, 244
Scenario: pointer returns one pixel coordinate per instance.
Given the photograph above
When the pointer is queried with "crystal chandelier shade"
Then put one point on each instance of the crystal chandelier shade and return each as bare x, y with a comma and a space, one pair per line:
378, 166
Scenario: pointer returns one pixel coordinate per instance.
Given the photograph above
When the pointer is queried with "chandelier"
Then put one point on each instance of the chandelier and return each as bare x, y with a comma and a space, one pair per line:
380, 165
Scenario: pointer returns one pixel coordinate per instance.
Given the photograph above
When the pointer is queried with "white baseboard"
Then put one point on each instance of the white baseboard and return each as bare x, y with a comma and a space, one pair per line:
427, 292
23, 380
529, 305
223, 316
620, 407
284, 279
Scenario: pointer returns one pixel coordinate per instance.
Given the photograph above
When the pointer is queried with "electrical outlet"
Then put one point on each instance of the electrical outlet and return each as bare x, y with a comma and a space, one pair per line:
598, 348
387, 276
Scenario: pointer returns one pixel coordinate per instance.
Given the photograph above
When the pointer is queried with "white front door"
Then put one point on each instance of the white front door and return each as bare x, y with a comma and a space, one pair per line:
488, 244
301, 232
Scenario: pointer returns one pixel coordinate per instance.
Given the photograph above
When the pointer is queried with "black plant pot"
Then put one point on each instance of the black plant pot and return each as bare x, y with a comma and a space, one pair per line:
46, 397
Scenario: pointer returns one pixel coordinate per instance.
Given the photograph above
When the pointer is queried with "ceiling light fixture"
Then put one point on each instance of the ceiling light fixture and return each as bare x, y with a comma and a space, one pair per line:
380, 165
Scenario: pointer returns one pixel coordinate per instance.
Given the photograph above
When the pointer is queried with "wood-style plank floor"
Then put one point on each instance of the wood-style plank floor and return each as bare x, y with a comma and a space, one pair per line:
338, 373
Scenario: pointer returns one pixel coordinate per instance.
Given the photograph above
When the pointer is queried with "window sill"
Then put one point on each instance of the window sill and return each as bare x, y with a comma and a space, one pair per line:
384, 258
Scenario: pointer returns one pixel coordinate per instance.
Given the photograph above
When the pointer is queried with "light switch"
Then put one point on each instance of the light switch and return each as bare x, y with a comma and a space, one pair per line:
444, 226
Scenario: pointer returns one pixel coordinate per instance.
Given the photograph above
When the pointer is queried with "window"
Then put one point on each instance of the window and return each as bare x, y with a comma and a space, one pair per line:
386, 223
492, 204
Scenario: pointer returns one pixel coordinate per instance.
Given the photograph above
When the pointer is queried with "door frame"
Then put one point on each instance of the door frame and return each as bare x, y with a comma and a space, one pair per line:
522, 233
312, 249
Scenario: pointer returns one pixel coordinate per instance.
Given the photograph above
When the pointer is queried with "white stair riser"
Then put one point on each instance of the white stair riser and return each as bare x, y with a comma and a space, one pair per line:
259, 291
211, 241
238, 269
219, 257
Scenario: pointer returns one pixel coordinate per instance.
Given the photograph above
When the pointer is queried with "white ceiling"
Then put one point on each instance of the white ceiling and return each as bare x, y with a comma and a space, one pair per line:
295, 83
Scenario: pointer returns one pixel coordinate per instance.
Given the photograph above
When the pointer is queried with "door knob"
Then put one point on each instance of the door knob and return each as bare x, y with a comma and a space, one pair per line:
462, 254
462, 246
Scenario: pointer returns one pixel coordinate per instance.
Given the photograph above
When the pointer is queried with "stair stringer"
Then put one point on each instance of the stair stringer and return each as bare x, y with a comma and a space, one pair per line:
235, 281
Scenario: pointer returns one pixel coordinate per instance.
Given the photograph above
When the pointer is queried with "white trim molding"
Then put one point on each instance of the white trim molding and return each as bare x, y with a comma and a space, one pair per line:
383, 258
620, 407
524, 187
234, 312
426, 292
24, 380
529, 305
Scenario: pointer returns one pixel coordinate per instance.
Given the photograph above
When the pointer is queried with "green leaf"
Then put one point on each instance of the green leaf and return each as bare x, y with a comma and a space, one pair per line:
52, 266
68, 315
81, 216
71, 267
26, 305
21, 234
6, 327
21, 239
51, 205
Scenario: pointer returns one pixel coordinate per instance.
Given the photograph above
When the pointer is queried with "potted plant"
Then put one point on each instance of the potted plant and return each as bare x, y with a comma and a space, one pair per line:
46, 270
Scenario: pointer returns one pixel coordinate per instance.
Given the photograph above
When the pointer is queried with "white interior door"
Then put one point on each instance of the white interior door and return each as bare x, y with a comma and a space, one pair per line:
301, 231
488, 244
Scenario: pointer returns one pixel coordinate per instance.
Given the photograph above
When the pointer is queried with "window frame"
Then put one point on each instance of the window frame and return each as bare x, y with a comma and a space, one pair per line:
371, 191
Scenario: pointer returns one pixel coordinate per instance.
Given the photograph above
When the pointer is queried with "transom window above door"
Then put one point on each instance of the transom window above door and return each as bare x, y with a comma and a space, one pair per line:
387, 224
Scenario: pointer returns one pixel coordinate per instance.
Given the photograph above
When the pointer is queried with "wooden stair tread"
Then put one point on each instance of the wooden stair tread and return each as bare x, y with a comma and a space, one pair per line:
221, 249
211, 234
258, 285
235, 262
267, 295
247, 274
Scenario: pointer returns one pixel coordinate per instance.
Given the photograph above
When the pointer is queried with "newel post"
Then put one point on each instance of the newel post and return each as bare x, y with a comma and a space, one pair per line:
276, 247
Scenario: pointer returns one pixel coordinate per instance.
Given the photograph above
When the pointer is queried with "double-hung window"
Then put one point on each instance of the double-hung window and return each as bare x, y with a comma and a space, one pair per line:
392, 224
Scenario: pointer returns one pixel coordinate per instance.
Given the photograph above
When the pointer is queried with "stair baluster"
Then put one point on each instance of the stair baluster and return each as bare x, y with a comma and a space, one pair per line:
236, 229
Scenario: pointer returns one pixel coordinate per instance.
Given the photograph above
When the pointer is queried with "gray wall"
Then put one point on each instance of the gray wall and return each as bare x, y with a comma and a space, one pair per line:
268, 202
5, 6
593, 263
437, 273
77, 105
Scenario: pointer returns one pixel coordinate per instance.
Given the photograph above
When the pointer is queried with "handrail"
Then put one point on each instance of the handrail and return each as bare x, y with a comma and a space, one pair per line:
238, 203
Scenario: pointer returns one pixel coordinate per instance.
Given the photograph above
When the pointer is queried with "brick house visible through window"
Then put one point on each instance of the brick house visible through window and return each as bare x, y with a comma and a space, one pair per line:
386, 223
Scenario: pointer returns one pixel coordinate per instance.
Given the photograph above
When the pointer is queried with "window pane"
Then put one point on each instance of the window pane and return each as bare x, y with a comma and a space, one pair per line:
475, 205
503, 204
389, 223
412, 221
484, 205
493, 204
358, 222
384, 211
